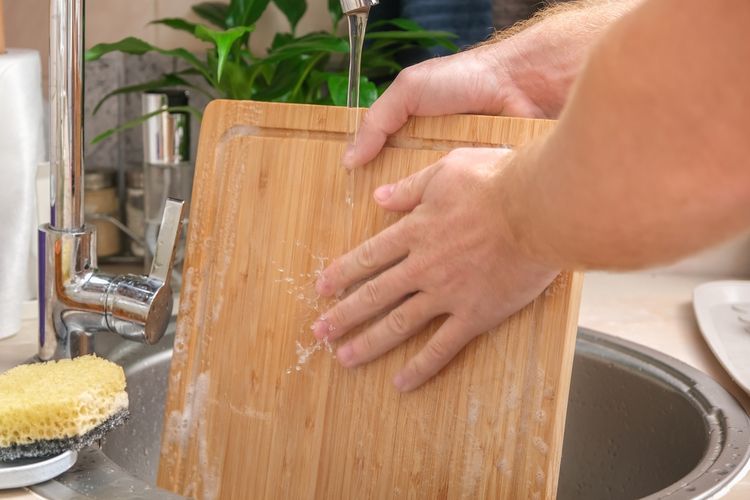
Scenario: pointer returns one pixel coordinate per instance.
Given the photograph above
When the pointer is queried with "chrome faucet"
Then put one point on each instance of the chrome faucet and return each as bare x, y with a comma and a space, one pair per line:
76, 301
354, 6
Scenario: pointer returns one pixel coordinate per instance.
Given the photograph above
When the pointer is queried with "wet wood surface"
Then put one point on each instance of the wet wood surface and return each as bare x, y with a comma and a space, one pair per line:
257, 410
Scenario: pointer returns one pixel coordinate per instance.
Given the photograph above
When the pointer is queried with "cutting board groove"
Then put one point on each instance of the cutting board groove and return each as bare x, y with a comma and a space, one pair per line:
248, 417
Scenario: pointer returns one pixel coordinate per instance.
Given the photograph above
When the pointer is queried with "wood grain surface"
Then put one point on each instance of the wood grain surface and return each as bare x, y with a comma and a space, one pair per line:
257, 410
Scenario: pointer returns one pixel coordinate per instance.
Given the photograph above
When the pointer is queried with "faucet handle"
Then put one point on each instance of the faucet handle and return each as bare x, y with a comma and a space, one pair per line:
166, 241
139, 307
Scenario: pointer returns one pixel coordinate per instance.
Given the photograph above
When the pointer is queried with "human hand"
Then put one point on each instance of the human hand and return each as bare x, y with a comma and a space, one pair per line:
527, 72
475, 81
453, 254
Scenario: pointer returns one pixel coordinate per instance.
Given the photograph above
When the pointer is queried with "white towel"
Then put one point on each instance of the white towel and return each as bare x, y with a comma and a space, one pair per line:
21, 149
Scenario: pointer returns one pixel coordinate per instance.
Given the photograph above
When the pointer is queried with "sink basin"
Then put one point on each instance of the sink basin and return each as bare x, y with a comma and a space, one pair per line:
639, 424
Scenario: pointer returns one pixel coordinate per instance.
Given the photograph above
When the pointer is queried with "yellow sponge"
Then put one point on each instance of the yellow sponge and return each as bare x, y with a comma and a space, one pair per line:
47, 408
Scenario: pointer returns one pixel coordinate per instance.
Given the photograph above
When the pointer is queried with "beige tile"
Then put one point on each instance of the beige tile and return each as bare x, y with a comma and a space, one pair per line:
110, 20
27, 26
316, 18
169, 38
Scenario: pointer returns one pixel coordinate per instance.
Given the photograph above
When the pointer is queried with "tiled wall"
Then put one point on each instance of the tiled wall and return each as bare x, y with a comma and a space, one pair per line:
107, 74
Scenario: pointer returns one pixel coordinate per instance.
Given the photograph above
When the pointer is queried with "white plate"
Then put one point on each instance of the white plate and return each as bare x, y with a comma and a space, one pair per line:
719, 307
26, 472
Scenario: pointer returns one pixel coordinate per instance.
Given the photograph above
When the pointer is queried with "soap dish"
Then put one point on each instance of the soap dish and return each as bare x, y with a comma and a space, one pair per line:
30, 471
722, 309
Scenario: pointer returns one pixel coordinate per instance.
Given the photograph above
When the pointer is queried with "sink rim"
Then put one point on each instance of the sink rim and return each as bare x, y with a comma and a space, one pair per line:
729, 422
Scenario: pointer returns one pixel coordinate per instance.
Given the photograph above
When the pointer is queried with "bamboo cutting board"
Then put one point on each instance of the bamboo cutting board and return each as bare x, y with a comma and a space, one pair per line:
257, 410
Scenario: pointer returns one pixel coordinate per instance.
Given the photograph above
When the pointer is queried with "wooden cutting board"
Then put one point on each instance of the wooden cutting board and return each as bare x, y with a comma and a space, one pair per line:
254, 411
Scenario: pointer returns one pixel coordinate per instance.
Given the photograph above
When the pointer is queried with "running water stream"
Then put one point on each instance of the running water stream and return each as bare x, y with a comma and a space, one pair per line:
357, 21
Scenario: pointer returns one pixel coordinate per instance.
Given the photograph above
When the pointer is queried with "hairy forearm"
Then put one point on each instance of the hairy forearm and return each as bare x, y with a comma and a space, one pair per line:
544, 54
649, 161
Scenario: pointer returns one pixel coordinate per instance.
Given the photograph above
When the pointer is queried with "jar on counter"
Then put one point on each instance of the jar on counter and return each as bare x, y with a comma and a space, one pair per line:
101, 203
135, 217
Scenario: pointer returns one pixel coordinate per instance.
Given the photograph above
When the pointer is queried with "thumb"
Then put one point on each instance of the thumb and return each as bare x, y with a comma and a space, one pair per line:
406, 194
386, 116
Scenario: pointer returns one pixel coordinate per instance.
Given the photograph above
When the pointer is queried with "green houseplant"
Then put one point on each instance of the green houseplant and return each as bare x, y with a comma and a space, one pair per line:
307, 68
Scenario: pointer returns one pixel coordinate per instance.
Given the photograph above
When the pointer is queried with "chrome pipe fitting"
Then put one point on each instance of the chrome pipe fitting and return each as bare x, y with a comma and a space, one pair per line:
354, 6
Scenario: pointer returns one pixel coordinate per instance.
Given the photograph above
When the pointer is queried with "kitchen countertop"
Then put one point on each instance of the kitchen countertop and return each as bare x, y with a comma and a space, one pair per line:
651, 309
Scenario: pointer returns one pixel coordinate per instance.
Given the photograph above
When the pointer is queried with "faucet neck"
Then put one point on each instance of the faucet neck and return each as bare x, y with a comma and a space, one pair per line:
66, 114
355, 6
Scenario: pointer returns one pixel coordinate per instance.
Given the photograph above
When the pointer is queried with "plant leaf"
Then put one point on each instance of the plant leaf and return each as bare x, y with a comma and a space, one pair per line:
138, 47
420, 39
137, 121
368, 92
281, 39
223, 40
400, 23
308, 45
166, 81
381, 65
283, 82
245, 12
304, 74
215, 13
338, 87
236, 82
293, 10
408, 30
177, 24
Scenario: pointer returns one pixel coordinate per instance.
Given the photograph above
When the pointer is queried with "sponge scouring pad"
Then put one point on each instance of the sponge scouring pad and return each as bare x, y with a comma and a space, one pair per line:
48, 408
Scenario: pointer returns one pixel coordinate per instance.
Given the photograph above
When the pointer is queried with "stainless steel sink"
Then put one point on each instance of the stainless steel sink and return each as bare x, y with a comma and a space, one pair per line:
640, 424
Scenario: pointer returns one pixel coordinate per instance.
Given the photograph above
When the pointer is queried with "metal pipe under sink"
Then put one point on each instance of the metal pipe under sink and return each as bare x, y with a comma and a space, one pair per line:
76, 301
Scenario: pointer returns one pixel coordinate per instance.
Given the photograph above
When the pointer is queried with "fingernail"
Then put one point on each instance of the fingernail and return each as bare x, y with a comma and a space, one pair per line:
384, 192
348, 159
344, 355
399, 382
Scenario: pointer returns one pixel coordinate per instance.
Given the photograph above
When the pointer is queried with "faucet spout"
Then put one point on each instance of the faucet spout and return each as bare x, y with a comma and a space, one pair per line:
354, 6
76, 301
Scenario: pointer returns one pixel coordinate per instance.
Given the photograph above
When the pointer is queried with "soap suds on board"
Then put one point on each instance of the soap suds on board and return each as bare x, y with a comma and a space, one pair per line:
473, 453
302, 287
250, 412
192, 421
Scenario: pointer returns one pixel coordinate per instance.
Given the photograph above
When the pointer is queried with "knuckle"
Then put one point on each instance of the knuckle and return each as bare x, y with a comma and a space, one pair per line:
364, 344
408, 76
436, 351
336, 273
337, 317
417, 267
370, 120
398, 323
458, 153
418, 369
365, 255
406, 186
371, 293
